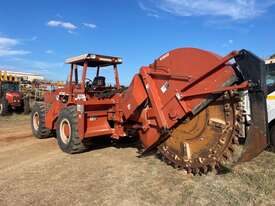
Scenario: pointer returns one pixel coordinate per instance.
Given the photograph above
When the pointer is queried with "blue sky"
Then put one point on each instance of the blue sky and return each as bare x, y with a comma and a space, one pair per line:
37, 36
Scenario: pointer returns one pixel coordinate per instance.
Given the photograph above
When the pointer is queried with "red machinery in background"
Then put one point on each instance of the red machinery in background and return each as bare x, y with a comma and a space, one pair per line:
10, 97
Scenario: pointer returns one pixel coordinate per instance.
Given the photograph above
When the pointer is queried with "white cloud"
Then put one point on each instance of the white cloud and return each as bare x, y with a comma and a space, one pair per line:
69, 26
153, 15
49, 51
146, 8
59, 16
37, 64
149, 11
7, 42
41, 64
7, 47
62, 24
89, 25
234, 9
34, 38
30, 65
12, 60
9, 52
229, 43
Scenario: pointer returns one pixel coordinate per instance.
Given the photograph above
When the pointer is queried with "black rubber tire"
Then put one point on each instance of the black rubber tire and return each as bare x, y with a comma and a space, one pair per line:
27, 109
272, 136
5, 107
74, 144
41, 132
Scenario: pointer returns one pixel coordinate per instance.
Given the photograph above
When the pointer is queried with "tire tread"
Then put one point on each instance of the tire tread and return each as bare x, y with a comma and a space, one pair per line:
75, 145
43, 132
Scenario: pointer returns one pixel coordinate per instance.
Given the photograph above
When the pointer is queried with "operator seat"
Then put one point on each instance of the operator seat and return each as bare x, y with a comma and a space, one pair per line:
100, 90
99, 82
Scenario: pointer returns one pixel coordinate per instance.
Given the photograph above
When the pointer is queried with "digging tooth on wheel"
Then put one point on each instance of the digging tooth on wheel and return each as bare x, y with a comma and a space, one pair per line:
206, 141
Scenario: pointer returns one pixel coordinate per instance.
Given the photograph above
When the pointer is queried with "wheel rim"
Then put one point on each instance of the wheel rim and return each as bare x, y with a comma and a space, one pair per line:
35, 121
65, 131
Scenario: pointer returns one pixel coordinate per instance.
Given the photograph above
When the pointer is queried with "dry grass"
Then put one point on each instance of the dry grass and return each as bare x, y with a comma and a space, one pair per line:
14, 117
36, 172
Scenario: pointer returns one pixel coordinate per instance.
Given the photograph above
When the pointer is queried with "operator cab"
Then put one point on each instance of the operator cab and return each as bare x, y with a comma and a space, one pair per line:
6, 86
95, 86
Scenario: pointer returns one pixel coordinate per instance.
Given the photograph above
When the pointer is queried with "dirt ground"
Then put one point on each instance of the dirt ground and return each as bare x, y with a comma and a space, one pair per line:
36, 172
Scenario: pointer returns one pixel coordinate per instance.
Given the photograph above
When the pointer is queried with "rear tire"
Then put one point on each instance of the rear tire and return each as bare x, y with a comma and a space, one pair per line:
67, 132
27, 109
39, 129
4, 107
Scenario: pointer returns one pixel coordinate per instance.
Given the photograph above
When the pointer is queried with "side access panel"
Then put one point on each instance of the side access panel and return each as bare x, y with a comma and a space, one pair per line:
133, 97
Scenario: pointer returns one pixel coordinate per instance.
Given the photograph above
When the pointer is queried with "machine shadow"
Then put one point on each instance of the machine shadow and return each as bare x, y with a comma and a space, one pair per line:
105, 142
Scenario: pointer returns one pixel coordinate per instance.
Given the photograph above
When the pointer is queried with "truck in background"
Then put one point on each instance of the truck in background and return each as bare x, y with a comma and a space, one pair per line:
11, 99
270, 80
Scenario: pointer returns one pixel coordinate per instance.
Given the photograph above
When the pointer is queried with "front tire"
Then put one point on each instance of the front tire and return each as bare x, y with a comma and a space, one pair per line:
4, 107
39, 129
67, 133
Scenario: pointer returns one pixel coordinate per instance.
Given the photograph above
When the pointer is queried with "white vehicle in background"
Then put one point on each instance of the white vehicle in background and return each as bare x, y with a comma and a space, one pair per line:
271, 98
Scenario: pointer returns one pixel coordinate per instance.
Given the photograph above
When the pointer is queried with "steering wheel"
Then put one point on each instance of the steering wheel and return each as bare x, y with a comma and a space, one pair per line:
88, 83
88, 80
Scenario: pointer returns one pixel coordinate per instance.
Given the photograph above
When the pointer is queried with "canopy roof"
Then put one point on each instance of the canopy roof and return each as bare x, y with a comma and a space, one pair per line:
94, 60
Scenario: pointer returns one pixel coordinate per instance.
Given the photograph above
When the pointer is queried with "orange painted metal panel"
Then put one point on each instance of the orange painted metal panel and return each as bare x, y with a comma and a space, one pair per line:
133, 97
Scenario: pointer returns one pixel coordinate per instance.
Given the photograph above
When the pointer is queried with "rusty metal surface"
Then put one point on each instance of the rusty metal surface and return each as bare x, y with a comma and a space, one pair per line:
255, 144
207, 140
183, 72
133, 98
180, 82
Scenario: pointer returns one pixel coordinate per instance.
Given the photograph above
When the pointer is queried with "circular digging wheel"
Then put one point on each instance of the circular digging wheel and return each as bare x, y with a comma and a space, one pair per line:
38, 121
66, 132
208, 140
4, 107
